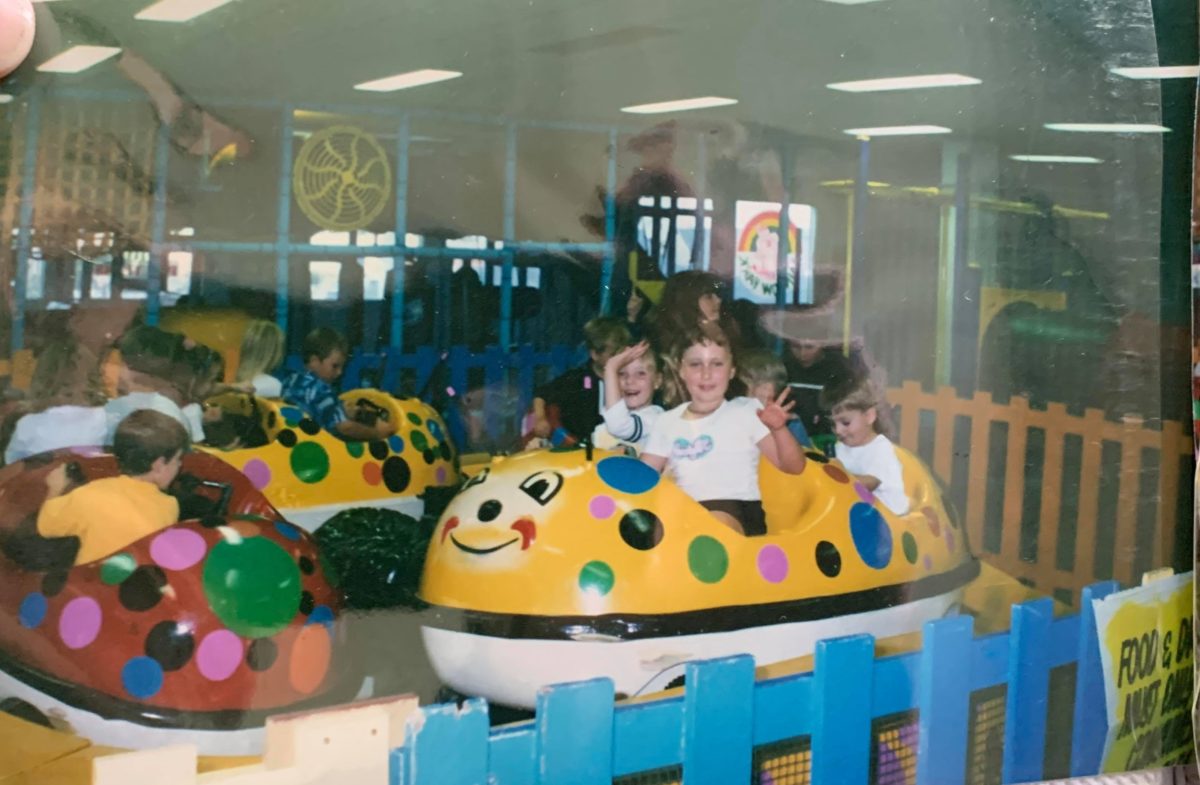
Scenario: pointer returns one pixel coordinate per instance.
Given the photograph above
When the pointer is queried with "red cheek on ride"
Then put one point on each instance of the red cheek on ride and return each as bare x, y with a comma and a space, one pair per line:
528, 531
450, 524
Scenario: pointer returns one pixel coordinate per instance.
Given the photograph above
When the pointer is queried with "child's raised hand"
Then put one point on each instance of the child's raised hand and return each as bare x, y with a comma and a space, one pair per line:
626, 355
775, 415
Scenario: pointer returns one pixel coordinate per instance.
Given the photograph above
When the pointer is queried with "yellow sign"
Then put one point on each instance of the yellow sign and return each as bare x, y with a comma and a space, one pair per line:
1146, 653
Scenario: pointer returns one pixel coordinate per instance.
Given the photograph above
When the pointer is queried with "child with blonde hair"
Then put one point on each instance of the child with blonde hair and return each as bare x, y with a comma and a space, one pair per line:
862, 446
261, 353
631, 377
765, 378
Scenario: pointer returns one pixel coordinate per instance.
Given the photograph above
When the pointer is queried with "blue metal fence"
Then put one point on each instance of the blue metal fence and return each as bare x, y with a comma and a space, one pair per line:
718, 732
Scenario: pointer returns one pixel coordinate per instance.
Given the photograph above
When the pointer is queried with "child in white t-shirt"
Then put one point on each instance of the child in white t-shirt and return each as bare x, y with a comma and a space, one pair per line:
631, 377
711, 446
863, 450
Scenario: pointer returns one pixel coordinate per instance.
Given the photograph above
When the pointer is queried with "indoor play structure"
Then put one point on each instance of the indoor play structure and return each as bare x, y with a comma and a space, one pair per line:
196, 633
552, 566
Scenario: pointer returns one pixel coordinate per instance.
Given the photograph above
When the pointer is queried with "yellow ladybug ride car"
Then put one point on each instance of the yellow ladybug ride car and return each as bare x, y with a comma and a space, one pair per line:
309, 474
555, 566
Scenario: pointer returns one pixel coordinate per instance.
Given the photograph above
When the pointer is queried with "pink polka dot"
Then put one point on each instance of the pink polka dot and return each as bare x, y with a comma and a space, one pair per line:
257, 472
79, 622
772, 563
863, 493
602, 507
440, 474
177, 549
928, 563
949, 537
219, 655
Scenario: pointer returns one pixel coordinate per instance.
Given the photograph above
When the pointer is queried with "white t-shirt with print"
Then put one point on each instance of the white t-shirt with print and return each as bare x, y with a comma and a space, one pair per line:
623, 427
877, 458
712, 457
55, 428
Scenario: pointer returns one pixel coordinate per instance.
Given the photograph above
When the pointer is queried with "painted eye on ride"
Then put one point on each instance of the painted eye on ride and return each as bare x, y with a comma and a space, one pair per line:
476, 480
542, 486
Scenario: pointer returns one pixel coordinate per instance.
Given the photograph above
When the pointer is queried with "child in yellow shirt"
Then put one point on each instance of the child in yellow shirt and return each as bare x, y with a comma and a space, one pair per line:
110, 514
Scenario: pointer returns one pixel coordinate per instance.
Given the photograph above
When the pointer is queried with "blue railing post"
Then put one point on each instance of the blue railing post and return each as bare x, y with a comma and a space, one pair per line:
283, 220
396, 334
943, 700
443, 745
1028, 692
1090, 725
718, 721
33, 119
841, 709
575, 734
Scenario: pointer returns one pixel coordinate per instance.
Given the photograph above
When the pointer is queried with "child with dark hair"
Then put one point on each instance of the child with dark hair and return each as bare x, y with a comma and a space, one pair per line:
572, 400
862, 446
110, 514
324, 351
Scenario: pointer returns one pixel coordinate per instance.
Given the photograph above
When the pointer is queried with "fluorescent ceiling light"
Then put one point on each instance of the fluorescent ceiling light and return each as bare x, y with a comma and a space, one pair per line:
904, 83
178, 10
1109, 128
78, 58
1057, 159
898, 130
682, 105
6, 98
1159, 72
406, 80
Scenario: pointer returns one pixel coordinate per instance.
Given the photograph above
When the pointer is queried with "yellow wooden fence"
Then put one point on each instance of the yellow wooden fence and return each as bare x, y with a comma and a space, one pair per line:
1173, 444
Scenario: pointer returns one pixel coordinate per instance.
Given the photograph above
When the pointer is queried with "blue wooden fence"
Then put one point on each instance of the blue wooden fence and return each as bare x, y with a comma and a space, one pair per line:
726, 727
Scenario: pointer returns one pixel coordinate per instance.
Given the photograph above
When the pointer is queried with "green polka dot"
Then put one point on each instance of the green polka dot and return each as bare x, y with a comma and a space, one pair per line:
415, 419
117, 568
309, 462
596, 576
418, 441
355, 449
253, 586
909, 543
707, 559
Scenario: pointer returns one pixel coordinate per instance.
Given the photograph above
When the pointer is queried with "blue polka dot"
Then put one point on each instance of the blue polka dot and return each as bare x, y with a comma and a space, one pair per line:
628, 475
33, 610
396, 443
434, 429
321, 614
287, 530
291, 415
871, 534
142, 677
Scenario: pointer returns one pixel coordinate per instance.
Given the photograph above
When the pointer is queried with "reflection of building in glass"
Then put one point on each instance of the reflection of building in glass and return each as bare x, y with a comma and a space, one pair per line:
323, 280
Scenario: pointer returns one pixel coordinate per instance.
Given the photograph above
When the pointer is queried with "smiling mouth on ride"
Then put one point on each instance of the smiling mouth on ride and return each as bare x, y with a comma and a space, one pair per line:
482, 551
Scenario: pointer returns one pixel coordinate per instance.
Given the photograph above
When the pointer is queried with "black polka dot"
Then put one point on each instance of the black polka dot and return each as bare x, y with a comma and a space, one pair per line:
309, 426
261, 654
641, 529
396, 474
489, 510
829, 561
819, 457
170, 644
429, 456
142, 590
306, 565
444, 450
306, 603
272, 419
212, 521
379, 449
287, 437
53, 583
